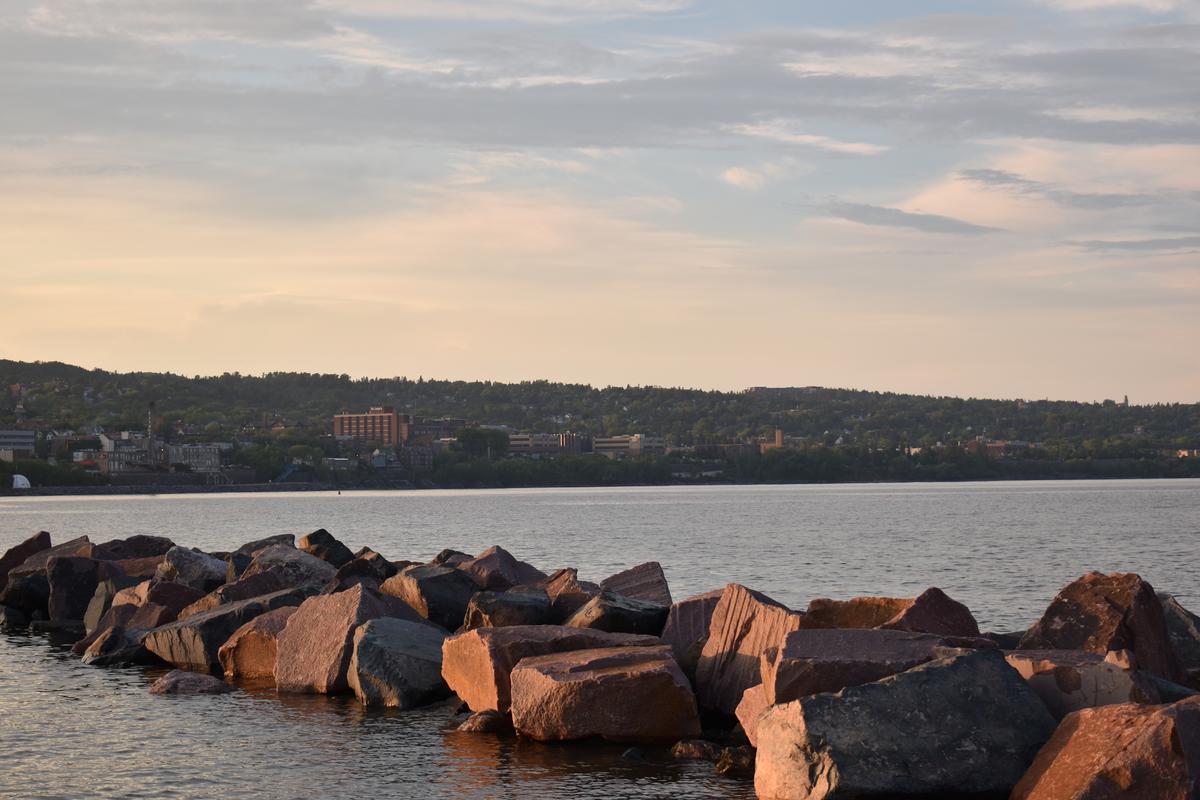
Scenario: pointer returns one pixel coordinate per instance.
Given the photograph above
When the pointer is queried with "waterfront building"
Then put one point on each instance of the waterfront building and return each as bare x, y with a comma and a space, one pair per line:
636, 444
378, 424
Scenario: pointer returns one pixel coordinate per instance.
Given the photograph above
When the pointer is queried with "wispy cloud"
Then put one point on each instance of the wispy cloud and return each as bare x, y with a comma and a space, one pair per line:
1018, 184
865, 214
780, 132
1169, 245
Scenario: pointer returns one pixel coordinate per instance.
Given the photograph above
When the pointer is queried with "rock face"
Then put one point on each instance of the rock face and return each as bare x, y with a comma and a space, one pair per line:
439, 594
964, 725
241, 589
567, 593
618, 614
296, 567
687, 626
313, 650
174, 596
1121, 752
477, 664
749, 711
180, 682
1183, 628
193, 643
933, 611
16, 555
27, 588
496, 568
102, 599
643, 582
249, 653
397, 663
250, 548
323, 545
72, 581
192, 568
622, 694
369, 569
1099, 613
115, 646
135, 547
486, 722
518, 606
744, 625
1070, 680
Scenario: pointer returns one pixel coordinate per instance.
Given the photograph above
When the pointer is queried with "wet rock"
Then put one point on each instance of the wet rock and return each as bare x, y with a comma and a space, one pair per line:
242, 589
644, 582
135, 547
961, 725
1099, 613
397, 663
69, 630
1069, 680
687, 626
72, 581
744, 625
477, 664
567, 593
1119, 752
114, 617
1006, 641
750, 709
1183, 628
313, 650
440, 594
13, 618
635, 755
518, 606
736, 761
102, 599
322, 544
296, 567
616, 614
696, 750
27, 588
180, 682
933, 611
486, 722
193, 643
497, 569
16, 555
249, 653
114, 647
192, 568
621, 694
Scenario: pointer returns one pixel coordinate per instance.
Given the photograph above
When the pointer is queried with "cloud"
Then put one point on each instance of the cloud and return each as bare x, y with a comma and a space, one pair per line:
778, 131
1003, 179
865, 214
744, 178
529, 11
1172, 245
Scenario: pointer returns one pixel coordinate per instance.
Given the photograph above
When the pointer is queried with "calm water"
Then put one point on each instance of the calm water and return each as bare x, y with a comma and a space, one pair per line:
67, 730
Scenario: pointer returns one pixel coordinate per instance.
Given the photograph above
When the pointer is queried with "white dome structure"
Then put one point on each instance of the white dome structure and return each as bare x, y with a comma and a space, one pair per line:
21, 482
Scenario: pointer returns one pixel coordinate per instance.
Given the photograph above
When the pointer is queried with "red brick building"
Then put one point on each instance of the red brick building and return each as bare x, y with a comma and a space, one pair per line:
379, 424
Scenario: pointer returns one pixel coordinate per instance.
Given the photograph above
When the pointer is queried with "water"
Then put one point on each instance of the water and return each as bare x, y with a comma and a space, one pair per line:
68, 730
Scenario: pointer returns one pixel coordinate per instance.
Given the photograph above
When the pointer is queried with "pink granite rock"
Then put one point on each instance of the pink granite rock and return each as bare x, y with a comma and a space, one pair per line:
496, 568
1070, 680
643, 582
687, 627
249, 654
179, 682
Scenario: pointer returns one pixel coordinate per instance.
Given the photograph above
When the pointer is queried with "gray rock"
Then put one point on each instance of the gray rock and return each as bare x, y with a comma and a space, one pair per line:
967, 724
397, 663
134, 547
440, 594
616, 614
296, 567
192, 568
180, 682
518, 606
1183, 627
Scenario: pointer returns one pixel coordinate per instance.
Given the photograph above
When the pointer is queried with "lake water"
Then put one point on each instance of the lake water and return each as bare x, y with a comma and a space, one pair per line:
1004, 549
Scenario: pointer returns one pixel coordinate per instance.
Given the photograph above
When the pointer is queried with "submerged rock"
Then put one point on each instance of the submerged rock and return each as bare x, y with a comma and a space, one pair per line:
397, 663
180, 682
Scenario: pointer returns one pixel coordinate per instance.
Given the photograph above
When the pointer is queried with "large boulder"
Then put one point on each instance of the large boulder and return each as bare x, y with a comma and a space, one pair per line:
27, 588
397, 663
1070, 680
296, 567
193, 643
622, 694
249, 654
16, 555
322, 544
250, 548
744, 625
114, 646
1183, 627
965, 725
644, 582
141, 568
72, 581
567, 593
477, 664
102, 598
496, 568
368, 568
241, 589
440, 594
313, 650
618, 614
1099, 613
180, 682
135, 547
750, 709
192, 568
687, 626
175, 596
521, 605
933, 611
1120, 752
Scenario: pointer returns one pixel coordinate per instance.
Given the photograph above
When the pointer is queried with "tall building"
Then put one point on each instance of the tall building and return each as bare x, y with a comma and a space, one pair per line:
630, 445
378, 424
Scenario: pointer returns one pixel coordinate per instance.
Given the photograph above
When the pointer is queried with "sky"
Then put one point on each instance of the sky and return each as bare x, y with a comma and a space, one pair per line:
975, 198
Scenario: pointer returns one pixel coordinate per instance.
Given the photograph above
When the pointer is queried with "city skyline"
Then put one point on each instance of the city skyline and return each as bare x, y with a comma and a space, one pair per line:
997, 202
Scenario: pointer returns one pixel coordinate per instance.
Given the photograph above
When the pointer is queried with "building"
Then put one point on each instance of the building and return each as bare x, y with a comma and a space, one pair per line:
534, 444
197, 457
632, 445
17, 444
378, 424
426, 430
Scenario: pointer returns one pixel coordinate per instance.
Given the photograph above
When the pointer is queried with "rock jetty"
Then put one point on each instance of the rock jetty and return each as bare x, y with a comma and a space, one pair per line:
845, 698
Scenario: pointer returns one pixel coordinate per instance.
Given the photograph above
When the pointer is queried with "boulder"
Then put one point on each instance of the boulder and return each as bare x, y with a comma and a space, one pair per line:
174, 596
1070, 680
397, 663
1099, 613
965, 725
193, 643
440, 594
1119, 752
250, 548
72, 581
749, 710
369, 569
520, 605
180, 682
745, 623
1183, 628
27, 588
295, 567
114, 617
451, 558
114, 647
618, 614
486, 722
735, 761
12, 618
933, 611
644, 582
102, 599
687, 626
241, 589
477, 664
139, 567
249, 654
621, 694
313, 650
192, 568
696, 750
567, 593
16, 555
135, 547
322, 544
496, 568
